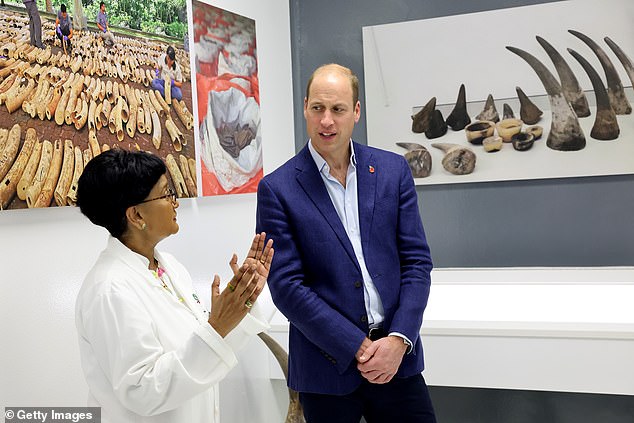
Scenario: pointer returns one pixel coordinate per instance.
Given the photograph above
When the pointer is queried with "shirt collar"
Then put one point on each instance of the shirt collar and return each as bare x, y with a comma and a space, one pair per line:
322, 166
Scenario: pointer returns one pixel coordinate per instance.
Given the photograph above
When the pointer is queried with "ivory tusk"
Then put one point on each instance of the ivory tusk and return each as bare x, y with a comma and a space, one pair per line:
46, 194
29, 171
10, 150
569, 84
82, 116
156, 135
93, 143
605, 125
15, 102
192, 169
66, 174
91, 114
86, 156
71, 197
61, 107
10, 181
177, 176
168, 91
185, 117
565, 132
175, 134
189, 181
616, 93
34, 188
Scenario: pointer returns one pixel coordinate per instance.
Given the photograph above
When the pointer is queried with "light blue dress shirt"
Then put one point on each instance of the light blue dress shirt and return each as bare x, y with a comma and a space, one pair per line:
345, 201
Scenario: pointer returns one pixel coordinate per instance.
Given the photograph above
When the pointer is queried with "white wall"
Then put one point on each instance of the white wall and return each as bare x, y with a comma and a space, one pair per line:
44, 255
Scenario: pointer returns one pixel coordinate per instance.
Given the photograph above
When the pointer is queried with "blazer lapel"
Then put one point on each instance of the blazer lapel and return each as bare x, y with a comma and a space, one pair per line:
367, 174
310, 180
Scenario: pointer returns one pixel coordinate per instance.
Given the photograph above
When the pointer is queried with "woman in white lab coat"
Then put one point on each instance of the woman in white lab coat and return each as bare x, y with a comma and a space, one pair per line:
149, 350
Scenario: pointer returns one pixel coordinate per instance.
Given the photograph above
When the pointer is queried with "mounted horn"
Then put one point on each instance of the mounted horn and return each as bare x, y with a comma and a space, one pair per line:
627, 63
529, 112
418, 159
489, 112
565, 132
618, 100
458, 160
605, 126
459, 118
420, 121
572, 91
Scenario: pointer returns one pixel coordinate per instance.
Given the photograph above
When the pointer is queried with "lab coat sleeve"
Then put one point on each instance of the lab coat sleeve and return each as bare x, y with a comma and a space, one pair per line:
146, 379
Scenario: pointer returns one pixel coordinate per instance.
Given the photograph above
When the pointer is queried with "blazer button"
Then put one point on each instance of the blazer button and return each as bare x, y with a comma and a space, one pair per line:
357, 284
364, 318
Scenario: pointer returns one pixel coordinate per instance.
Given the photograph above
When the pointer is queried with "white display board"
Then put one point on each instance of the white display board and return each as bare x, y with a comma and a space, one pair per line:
408, 63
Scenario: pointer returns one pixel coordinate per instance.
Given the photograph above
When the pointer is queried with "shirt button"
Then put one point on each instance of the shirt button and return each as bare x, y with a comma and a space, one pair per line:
364, 318
357, 284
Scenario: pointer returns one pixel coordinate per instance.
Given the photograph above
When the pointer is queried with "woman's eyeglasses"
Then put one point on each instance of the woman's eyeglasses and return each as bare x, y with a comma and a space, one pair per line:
171, 195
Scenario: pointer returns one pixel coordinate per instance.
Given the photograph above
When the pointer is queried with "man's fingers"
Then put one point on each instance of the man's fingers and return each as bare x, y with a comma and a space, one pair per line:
369, 352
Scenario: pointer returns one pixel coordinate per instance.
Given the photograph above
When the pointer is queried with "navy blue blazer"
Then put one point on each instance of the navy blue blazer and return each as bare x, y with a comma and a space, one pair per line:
315, 279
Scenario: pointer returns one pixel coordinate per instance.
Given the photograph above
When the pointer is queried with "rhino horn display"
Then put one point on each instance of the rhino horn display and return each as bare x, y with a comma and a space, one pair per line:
507, 112
418, 159
627, 63
295, 414
437, 126
489, 112
616, 93
565, 132
569, 84
10, 181
459, 118
458, 160
420, 121
66, 174
530, 114
605, 126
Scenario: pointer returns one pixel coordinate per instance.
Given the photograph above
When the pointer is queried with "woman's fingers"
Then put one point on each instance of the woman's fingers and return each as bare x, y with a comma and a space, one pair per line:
233, 263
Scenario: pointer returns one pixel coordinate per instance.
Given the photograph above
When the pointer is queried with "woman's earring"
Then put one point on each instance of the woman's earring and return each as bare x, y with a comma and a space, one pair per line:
143, 226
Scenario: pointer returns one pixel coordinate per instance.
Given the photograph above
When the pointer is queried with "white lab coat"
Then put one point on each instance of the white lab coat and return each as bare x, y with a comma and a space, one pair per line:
146, 356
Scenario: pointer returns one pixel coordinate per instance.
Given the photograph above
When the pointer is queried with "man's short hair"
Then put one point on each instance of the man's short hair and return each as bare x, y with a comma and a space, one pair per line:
354, 81
101, 4
62, 8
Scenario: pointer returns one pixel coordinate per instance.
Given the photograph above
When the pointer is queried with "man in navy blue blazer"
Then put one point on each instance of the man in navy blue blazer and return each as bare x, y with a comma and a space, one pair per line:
352, 266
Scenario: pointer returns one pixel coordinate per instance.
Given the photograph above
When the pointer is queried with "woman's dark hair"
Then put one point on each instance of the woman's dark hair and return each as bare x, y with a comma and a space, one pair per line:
62, 8
172, 55
113, 181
